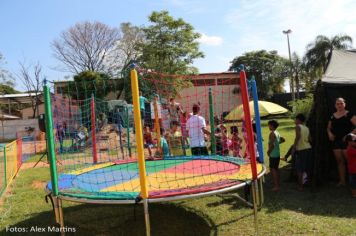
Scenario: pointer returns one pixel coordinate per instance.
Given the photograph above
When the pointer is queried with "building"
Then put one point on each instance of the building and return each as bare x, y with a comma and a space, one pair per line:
225, 89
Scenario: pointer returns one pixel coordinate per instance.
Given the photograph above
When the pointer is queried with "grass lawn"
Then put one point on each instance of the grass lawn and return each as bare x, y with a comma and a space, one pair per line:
326, 211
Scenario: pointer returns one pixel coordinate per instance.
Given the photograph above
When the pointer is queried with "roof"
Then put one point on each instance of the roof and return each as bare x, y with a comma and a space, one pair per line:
4, 116
22, 98
341, 68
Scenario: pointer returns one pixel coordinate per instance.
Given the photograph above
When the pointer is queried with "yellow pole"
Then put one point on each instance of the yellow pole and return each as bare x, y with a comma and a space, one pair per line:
139, 135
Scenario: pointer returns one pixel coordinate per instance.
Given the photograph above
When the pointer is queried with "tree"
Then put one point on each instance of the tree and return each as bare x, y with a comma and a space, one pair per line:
87, 83
268, 68
170, 47
32, 83
85, 46
318, 52
126, 49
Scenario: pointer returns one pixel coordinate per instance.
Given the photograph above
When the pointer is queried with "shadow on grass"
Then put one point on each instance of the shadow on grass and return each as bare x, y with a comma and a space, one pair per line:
328, 200
88, 219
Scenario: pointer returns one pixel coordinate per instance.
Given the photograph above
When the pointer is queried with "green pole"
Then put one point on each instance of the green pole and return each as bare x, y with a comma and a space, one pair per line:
5, 168
50, 140
128, 129
212, 125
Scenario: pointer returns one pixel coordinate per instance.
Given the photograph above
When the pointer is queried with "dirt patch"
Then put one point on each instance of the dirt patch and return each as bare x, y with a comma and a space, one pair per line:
30, 165
38, 184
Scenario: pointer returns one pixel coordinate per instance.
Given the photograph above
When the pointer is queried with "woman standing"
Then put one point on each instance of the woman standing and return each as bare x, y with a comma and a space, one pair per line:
340, 124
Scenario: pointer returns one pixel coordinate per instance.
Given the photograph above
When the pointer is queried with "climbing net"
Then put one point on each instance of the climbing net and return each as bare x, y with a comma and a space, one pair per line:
190, 143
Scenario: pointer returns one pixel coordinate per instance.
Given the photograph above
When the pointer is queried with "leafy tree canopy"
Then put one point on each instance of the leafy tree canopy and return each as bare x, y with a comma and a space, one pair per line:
170, 47
268, 68
6, 89
318, 52
87, 83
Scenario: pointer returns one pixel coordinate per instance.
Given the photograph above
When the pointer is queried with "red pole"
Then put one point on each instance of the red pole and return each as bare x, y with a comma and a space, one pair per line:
245, 102
93, 128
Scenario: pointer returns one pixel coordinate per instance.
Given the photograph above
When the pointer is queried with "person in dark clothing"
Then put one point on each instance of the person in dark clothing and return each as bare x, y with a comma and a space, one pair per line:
340, 124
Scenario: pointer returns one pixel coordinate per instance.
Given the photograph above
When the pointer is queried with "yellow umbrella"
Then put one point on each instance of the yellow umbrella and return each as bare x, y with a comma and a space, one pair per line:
266, 108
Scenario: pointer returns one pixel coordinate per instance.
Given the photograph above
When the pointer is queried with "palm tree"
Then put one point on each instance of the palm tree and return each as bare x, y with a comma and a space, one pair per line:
318, 52
298, 68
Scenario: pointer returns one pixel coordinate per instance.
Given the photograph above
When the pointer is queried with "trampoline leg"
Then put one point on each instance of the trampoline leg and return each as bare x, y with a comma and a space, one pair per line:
61, 219
59, 213
255, 203
147, 217
261, 195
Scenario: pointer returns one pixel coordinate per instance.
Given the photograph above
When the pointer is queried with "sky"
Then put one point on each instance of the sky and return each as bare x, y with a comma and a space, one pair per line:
229, 28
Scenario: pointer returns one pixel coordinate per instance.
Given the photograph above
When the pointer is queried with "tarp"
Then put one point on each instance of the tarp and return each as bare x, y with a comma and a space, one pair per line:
341, 68
266, 108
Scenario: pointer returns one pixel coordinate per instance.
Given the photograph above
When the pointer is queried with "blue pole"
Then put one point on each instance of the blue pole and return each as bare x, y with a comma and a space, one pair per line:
257, 119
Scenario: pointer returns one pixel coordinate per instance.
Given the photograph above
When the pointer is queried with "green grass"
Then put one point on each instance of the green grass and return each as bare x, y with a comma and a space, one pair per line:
326, 211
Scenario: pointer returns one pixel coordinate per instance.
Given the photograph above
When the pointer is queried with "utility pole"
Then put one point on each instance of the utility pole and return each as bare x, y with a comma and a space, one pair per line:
291, 82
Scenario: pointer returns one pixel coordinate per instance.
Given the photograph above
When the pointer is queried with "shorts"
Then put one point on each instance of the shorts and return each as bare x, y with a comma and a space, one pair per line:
302, 160
274, 162
339, 144
352, 179
199, 151
148, 145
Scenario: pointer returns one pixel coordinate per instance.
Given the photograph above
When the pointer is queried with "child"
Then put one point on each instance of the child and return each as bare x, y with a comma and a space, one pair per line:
164, 152
175, 140
351, 161
235, 141
183, 127
274, 153
147, 136
218, 144
303, 151
222, 141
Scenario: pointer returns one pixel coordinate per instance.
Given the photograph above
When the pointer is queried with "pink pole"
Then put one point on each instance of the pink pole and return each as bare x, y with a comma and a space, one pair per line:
93, 129
245, 102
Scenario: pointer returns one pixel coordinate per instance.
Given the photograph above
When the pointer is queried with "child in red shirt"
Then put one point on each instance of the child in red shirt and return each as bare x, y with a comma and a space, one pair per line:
147, 136
351, 161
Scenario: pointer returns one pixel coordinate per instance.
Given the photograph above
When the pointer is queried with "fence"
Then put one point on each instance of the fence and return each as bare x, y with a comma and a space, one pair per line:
10, 163
33, 142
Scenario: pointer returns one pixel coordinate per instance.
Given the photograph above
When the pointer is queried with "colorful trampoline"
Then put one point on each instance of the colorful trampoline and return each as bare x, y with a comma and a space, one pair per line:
181, 177
95, 157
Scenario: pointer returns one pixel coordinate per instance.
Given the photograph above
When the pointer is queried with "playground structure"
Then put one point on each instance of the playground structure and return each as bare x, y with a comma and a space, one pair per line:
97, 157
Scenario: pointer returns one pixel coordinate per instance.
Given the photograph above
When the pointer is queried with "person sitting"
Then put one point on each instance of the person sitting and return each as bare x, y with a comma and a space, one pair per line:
196, 127
175, 140
82, 136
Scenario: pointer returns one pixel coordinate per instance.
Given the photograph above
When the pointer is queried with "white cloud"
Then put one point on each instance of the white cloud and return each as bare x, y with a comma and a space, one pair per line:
259, 25
210, 40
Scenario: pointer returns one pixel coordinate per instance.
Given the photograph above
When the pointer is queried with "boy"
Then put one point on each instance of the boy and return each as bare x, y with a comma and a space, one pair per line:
351, 161
274, 153
302, 149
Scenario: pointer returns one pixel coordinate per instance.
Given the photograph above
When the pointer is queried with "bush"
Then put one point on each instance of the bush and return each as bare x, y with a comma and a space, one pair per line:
303, 106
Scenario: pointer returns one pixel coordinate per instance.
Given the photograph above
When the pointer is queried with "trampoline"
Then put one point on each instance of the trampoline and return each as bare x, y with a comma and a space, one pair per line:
169, 178
113, 168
